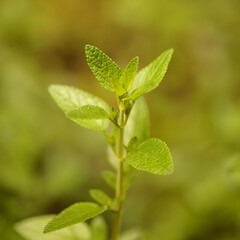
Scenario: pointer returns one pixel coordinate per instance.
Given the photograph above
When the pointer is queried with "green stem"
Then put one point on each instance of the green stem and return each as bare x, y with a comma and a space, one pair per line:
119, 186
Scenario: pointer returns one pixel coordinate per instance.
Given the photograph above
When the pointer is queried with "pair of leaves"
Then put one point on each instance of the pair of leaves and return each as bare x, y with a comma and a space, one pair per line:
83, 108
150, 77
108, 73
112, 78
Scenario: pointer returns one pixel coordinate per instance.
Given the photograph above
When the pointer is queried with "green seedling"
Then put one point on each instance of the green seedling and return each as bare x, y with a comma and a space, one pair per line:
126, 131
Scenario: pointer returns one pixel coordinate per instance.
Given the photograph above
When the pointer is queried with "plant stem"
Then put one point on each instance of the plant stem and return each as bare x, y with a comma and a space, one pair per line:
119, 186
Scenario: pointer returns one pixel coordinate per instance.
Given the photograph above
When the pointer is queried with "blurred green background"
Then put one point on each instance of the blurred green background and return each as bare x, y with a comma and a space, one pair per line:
47, 162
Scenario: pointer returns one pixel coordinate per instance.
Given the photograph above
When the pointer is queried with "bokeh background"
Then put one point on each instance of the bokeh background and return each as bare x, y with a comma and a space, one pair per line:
47, 162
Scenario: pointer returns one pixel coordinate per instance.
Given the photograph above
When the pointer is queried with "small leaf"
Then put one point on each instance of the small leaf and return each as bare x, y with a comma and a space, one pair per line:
103, 67
129, 181
99, 229
78, 212
100, 197
129, 75
150, 77
132, 143
152, 156
70, 98
132, 234
32, 229
138, 122
110, 178
88, 112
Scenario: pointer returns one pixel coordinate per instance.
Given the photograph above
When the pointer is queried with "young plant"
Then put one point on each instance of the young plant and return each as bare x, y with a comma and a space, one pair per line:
126, 131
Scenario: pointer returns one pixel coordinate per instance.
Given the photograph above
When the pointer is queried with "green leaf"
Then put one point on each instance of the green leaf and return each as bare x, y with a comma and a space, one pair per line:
150, 77
129, 74
104, 68
110, 178
100, 197
132, 144
133, 234
99, 229
88, 112
129, 180
138, 122
69, 99
32, 229
152, 156
78, 212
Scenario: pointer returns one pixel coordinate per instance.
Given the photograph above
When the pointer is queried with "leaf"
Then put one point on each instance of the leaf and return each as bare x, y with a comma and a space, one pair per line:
129, 74
132, 234
78, 212
129, 181
103, 67
110, 178
150, 77
32, 229
152, 156
69, 99
88, 112
100, 197
132, 143
138, 122
99, 229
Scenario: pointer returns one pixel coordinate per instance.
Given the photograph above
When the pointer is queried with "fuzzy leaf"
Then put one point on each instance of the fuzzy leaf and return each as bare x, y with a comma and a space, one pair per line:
110, 178
150, 77
69, 99
88, 112
152, 156
129, 74
99, 229
100, 197
78, 212
32, 229
103, 67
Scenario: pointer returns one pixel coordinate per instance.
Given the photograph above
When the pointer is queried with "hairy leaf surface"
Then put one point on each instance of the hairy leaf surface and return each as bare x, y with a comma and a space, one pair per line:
70, 99
128, 76
104, 68
152, 156
78, 212
88, 112
32, 229
150, 77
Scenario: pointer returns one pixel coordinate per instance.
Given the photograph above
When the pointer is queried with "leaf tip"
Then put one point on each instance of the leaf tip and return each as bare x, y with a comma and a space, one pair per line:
88, 47
170, 51
45, 230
